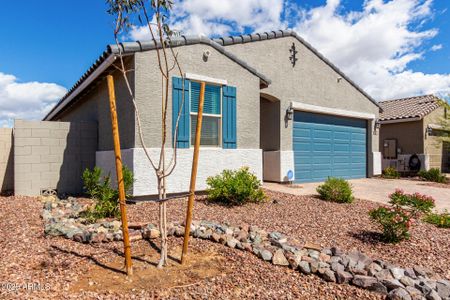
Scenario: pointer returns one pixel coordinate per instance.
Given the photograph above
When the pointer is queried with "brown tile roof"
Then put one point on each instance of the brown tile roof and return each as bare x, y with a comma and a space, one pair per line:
406, 108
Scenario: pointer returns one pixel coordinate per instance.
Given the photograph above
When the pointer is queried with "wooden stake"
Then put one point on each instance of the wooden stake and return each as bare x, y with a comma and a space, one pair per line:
198, 135
120, 184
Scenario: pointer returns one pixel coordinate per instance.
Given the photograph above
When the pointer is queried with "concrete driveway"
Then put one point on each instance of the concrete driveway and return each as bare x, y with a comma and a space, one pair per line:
374, 189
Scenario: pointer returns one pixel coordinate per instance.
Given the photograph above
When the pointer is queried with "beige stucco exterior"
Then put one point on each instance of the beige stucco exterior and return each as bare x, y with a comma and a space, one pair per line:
433, 145
93, 106
149, 91
409, 136
311, 81
412, 138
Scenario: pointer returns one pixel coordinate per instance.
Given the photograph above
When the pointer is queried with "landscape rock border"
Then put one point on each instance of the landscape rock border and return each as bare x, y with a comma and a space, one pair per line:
62, 218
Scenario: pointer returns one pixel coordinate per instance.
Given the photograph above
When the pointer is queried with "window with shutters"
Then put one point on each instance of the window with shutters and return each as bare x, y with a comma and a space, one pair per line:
212, 114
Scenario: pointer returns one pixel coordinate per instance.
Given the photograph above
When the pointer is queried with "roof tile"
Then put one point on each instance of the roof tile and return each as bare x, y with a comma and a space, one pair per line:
406, 108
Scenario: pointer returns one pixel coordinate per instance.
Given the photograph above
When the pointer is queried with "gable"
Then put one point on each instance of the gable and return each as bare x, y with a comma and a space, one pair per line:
313, 78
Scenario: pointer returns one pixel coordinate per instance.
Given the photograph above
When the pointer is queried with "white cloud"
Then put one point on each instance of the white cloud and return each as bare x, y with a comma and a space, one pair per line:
221, 17
436, 47
26, 100
375, 46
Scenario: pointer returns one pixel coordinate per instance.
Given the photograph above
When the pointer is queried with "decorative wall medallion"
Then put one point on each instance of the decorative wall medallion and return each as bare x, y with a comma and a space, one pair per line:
293, 58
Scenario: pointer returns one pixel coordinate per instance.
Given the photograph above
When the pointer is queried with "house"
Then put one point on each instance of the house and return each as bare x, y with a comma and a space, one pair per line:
273, 103
411, 126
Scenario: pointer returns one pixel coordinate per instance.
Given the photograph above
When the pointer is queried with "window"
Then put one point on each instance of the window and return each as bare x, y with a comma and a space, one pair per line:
212, 114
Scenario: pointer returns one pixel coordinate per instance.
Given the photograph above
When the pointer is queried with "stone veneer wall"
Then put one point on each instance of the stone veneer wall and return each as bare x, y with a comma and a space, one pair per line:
52, 155
6, 160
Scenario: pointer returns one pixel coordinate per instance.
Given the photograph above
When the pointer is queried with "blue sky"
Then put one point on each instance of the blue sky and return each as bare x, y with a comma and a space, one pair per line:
391, 48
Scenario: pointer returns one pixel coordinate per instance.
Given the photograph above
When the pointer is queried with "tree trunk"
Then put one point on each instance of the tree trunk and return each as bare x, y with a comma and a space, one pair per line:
162, 222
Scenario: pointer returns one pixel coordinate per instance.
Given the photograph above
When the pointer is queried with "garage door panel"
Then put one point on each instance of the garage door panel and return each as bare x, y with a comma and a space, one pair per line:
328, 146
303, 132
303, 146
311, 161
322, 147
322, 134
358, 149
343, 159
341, 148
343, 136
321, 173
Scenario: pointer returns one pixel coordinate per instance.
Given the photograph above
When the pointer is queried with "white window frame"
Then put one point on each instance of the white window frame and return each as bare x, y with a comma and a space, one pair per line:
219, 116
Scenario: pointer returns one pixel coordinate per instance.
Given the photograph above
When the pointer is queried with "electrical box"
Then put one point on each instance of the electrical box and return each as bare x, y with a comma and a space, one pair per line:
390, 148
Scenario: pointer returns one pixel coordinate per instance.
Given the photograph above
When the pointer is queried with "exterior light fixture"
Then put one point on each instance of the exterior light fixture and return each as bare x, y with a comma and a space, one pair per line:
429, 131
289, 113
377, 124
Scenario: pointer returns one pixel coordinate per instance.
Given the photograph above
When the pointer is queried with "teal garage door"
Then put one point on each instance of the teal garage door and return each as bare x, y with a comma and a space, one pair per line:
327, 145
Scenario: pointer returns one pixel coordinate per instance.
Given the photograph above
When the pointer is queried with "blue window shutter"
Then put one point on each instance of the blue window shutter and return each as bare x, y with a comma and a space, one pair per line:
184, 123
229, 117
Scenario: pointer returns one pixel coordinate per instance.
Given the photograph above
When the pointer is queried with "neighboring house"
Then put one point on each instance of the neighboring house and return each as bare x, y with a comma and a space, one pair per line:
272, 103
412, 126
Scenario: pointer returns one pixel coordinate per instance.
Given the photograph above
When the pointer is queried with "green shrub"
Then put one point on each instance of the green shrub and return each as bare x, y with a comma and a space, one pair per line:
416, 203
391, 173
395, 223
235, 187
440, 220
99, 188
336, 190
434, 174
396, 220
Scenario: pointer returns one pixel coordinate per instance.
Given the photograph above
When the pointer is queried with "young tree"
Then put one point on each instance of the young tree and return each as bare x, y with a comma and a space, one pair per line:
154, 14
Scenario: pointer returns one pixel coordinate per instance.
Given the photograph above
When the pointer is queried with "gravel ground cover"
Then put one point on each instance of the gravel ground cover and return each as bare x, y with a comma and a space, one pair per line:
309, 219
59, 265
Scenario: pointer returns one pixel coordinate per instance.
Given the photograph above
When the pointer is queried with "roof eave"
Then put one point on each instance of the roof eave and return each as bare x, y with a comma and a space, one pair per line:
400, 120
84, 84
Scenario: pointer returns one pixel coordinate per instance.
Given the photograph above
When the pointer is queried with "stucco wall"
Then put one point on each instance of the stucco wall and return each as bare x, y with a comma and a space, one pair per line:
270, 125
149, 91
433, 145
52, 155
94, 107
6, 160
409, 136
311, 81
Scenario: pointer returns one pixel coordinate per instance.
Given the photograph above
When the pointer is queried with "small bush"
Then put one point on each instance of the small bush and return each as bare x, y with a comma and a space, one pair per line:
391, 173
440, 220
416, 203
434, 174
396, 220
99, 188
336, 190
395, 223
235, 187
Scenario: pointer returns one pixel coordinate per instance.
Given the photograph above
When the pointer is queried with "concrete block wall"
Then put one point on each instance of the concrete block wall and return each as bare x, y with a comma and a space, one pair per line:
52, 155
6, 160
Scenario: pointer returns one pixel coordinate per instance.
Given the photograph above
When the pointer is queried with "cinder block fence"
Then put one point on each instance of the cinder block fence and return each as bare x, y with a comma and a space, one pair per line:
6, 160
40, 155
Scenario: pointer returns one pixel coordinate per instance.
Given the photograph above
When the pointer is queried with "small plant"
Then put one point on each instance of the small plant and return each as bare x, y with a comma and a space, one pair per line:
336, 190
396, 220
434, 174
416, 203
440, 220
391, 173
99, 188
235, 187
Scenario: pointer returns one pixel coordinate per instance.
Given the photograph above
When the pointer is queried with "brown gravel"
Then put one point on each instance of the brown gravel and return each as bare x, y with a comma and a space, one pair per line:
60, 264
329, 224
